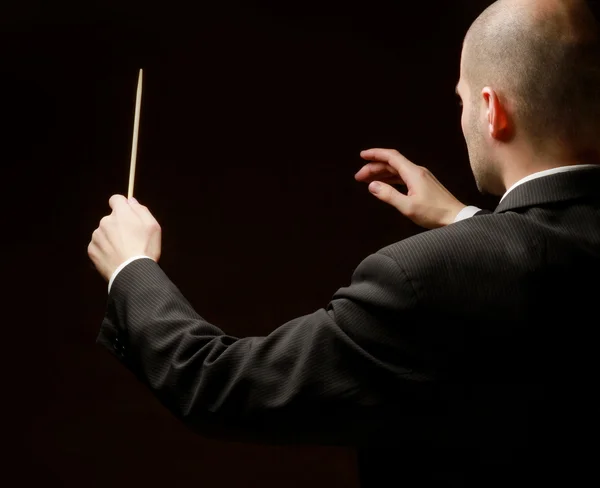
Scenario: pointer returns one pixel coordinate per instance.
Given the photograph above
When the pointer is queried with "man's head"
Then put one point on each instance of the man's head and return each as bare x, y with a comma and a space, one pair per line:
530, 86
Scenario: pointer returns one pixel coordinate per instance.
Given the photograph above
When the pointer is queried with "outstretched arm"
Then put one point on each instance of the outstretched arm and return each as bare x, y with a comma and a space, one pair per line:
335, 376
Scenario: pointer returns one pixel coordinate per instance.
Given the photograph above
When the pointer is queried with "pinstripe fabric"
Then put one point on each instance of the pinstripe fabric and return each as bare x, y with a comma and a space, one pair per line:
461, 356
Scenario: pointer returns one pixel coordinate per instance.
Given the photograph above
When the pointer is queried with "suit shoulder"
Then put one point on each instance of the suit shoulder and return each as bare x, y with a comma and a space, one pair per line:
484, 235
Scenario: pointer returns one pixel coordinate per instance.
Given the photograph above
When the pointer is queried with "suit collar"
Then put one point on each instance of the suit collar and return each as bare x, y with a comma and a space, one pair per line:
553, 188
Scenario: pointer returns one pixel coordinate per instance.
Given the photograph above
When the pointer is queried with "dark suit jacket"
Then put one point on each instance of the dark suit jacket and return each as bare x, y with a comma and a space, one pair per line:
462, 356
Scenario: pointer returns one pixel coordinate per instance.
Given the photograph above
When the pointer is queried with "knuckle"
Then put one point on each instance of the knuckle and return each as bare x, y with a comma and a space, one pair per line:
104, 221
421, 171
154, 226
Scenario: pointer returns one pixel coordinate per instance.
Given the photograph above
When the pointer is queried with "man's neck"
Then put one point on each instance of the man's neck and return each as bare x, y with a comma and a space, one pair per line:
523, 162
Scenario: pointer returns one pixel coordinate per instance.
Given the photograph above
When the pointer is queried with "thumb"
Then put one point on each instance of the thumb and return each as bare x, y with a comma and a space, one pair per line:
389, 195
139, 209
143, 212
135, 206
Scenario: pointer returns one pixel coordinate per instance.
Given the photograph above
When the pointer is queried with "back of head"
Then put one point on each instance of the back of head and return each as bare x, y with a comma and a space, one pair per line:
543, 58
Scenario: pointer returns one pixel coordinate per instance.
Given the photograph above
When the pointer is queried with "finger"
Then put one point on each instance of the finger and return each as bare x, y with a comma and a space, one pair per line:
403, 166
142, 212
379, 154
98, 243
390, 195
117, 202
104, 223
376, 171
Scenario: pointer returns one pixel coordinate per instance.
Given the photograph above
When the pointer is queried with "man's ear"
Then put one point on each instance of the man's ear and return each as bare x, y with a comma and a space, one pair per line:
497, 116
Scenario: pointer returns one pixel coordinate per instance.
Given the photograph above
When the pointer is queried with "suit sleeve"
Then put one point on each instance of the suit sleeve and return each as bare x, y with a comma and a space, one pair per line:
331, 377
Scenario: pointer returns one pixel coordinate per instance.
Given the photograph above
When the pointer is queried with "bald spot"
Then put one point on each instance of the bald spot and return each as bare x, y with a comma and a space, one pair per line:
543, 58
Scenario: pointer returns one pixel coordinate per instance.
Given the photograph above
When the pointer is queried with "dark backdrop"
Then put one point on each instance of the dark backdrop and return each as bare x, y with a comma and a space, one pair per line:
253, 117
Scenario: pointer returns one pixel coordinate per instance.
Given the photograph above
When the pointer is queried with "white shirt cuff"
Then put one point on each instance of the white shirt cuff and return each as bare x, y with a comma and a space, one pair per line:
114, 275
466, 213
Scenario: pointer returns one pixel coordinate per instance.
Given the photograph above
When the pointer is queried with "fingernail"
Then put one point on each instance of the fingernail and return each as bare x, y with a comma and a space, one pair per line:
374, 187
133, 200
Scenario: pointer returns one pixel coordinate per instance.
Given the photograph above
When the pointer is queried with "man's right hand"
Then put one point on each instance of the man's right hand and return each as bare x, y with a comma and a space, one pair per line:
427, 202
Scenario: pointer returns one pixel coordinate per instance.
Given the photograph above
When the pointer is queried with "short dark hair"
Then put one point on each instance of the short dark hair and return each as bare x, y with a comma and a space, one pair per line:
546, 62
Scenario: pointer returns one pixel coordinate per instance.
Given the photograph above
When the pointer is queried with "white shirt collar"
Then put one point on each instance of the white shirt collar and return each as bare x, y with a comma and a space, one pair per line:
547, 172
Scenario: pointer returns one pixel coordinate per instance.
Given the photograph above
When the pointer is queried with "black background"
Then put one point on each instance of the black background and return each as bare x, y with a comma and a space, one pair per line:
254, 114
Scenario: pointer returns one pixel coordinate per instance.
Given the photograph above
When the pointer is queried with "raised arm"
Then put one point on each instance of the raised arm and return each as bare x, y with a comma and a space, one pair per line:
335, 376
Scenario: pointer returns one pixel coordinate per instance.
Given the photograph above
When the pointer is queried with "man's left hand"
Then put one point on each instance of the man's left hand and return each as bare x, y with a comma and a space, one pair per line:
130, 230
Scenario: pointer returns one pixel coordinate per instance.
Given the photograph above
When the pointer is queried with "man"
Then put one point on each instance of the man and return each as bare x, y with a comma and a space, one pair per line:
462, 356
